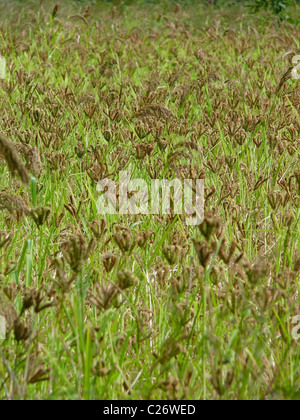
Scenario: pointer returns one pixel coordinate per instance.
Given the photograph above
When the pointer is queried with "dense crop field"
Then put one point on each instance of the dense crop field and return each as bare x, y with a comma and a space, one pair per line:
145, 306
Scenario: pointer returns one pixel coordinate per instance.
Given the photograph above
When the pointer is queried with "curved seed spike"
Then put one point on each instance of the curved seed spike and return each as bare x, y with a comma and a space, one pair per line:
13, 159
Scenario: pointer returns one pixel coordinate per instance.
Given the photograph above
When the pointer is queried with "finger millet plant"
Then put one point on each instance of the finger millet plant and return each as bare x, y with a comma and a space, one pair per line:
145, 306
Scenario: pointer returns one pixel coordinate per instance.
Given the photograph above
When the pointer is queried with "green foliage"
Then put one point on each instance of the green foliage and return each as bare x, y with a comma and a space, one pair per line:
276, 6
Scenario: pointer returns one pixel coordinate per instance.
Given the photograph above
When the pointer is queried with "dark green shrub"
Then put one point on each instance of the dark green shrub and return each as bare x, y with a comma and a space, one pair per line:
277, 6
